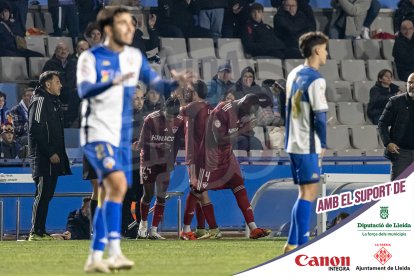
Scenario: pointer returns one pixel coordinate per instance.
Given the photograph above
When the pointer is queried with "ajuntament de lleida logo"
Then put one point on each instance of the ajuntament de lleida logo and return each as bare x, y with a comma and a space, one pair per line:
384, 212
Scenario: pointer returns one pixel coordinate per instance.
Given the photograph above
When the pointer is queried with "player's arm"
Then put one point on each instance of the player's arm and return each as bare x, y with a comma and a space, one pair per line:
319, 106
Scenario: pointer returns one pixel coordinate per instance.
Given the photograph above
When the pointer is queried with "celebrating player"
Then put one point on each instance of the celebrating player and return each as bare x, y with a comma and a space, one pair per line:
196, 115
159, 143
306, 131
217, 167
107, 76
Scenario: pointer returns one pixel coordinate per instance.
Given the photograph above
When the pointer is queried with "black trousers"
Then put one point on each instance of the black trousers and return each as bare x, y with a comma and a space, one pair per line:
45, 189
134, 193
405, 158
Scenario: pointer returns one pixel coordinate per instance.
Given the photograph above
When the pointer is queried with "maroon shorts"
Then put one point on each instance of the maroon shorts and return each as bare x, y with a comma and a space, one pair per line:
155, 173
219, 179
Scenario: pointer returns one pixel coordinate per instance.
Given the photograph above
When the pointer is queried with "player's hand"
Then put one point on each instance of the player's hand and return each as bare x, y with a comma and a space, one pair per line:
54, 159
183, 77
393, 148
248, 126
120, 79
135, 146
164, 146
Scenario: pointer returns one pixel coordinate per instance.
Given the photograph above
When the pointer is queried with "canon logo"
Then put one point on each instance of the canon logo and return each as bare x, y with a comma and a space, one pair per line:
304, 260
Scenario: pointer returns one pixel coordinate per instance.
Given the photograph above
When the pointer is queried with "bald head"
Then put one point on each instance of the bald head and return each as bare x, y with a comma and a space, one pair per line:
410, 85
407, 29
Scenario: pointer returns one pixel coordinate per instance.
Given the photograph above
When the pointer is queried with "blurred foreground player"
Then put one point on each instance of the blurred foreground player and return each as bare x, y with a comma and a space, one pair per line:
217, 167
107, 76
306, 131
159, 143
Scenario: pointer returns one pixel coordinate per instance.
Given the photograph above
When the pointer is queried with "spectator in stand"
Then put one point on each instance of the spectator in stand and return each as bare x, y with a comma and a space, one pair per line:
67, 73
229, 96
175, 19
87, 13
278, 97
379, 95
404, 11
20, 116
235, 18
403, 50
219, 85
19, 9
372, 13
3, 108
211, 15
8, 33
65, 15
78, 223
153, 102
146, 44
348, 18
9, 147
290, 23
93, 35
259, 39
245, 84
81, 46
303, 6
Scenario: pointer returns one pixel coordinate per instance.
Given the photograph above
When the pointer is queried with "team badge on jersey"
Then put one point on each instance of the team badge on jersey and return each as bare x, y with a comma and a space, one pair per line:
105, 75
109, 162
106, 63
217, 123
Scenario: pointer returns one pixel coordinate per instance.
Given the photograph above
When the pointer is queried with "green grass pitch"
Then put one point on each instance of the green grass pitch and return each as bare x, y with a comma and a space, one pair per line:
170, 257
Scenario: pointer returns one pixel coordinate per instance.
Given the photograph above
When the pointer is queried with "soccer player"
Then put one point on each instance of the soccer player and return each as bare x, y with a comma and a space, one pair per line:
196, 114
306, 131
159, 143
217, 167
106, 77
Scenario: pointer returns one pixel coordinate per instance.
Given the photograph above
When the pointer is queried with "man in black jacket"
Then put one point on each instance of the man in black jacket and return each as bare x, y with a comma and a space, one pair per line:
403, 49
46, 148
399, 139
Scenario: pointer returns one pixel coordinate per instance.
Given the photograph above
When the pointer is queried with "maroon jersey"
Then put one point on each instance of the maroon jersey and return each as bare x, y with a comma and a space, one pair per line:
157, 130
225, 121
195, 116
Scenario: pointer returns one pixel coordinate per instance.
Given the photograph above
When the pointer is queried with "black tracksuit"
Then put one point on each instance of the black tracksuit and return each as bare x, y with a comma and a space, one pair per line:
46, 138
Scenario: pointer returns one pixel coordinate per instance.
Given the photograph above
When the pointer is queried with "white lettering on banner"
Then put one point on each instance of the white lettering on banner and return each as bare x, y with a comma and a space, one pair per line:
15, 178
359, 196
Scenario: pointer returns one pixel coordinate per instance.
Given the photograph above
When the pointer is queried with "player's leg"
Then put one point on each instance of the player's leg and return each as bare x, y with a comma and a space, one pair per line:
190, 204
148, 177
201, 221
94, 196
208, 210
292, 241
161, 184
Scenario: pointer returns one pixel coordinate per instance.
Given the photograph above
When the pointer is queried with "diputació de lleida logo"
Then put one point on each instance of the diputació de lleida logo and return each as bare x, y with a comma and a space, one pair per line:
384, 212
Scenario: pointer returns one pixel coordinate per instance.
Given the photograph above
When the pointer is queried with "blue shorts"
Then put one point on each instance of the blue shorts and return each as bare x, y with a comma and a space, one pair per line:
305, 168
106, 159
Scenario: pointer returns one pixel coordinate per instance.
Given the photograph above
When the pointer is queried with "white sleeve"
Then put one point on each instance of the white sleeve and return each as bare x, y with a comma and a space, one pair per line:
316, 93
86, 68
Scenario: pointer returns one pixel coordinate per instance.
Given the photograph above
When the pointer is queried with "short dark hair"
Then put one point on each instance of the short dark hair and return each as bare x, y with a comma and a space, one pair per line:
256, 6
201, 88
106, 16
172, 106
309, 40
27, 89
383, 72
3, 95
47, 76
90, 27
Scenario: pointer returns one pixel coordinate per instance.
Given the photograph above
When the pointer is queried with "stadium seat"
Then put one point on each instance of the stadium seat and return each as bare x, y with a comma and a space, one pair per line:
35, 66
201, 48
349, 152
209, 67
259, 134
43, 21
36, 43
29, 21
240, 153
290, 64
337, 138
367, 49
12, 91
269, 69
340, 49
332, 119
387, 46
402, 85
374, 66
264, 154
367, 120
268, 18
174, 48
71, 137
13, 69
239, 64
338, 91
230, 48
384, 23
353, 70
184, 64
361, 90
364, 137
52, 42
374, 152
330, 70
351, 113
